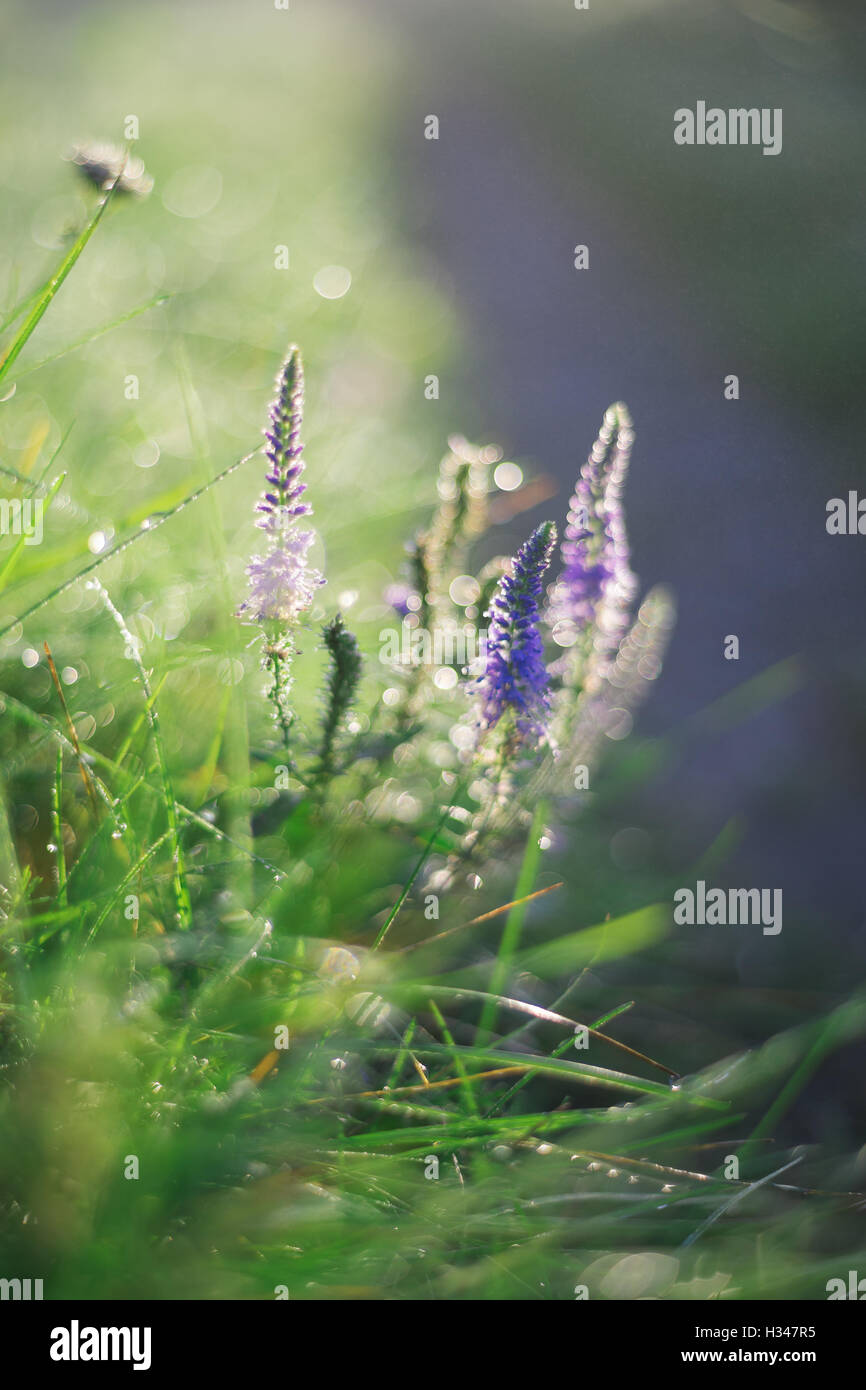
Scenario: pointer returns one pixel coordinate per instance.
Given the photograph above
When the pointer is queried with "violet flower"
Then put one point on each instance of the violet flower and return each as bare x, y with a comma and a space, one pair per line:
514, 687
595, 589
282, 583
282, 502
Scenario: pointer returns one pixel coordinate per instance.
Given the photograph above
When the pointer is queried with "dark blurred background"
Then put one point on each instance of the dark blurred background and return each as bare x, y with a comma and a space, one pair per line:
556, 128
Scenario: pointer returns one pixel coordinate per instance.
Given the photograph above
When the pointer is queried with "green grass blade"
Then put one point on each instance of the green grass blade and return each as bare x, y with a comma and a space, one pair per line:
467, 1093
514, 921
53, 283
97, 333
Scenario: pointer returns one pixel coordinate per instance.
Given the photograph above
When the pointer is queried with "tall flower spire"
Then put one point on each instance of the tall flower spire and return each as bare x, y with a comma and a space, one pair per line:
282, 583
513, 691
281, 503
590, 601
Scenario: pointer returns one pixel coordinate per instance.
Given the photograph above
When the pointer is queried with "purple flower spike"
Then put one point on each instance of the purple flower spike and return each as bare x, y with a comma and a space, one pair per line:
514, 686
282, 584
284, 449
596, 586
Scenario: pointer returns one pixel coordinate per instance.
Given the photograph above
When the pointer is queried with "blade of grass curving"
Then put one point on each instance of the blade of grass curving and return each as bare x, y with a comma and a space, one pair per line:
149, 304
536, 1011
579, 1072
557, 1052
47, 291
